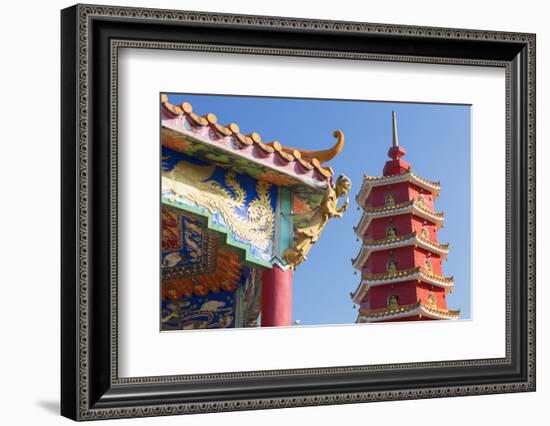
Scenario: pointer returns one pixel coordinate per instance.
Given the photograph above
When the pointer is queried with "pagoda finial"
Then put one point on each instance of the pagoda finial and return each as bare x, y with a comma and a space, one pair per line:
396, 165
395, 143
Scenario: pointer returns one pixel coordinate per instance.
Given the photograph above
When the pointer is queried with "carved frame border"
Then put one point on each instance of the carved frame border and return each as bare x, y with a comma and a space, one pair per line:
79, 400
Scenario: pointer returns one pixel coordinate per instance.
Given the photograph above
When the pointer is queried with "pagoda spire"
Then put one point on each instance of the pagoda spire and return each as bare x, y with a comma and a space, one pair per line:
396, 165
394, 126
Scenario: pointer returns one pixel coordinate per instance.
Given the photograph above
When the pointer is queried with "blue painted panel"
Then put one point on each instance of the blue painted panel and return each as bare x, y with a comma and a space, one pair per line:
242, 206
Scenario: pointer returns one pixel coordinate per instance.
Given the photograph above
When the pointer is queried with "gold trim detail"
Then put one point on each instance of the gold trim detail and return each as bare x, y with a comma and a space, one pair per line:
435, 185
401, 238
323, 155
418, 205
415, 308
405, 273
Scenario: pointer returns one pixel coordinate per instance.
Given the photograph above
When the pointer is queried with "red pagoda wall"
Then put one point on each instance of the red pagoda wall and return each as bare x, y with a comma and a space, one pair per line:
402, 191
409, 292
377, 261
377, 197
377, 297
402, 223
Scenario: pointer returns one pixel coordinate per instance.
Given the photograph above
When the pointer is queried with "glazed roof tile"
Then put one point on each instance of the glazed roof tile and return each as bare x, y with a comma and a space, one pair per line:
305, 165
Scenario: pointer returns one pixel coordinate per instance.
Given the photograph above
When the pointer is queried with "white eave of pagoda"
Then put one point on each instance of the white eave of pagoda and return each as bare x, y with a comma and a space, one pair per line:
370, 182
396, 242
403, 208
414, 274
407, 311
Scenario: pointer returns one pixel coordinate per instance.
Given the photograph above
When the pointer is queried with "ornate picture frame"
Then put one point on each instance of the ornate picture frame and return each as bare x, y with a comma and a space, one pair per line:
91, 37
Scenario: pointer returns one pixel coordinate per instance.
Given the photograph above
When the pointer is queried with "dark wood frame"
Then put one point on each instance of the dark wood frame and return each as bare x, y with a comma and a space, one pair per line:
91, 37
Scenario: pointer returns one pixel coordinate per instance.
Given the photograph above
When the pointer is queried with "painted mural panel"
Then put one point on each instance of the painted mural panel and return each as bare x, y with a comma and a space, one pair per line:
205, 283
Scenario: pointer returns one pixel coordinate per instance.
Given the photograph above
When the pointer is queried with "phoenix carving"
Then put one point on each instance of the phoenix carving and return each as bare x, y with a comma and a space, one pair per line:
194, 182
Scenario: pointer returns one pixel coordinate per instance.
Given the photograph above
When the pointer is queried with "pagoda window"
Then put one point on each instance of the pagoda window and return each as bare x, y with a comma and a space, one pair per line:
393, 301
428, 265
431, 299
425, 233
392, 266
391, 232
390, 199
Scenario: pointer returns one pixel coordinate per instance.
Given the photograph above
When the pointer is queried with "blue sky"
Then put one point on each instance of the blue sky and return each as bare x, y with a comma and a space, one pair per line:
437, 140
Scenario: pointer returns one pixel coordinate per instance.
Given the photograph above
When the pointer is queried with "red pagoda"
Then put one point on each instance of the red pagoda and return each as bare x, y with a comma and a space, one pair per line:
400, 259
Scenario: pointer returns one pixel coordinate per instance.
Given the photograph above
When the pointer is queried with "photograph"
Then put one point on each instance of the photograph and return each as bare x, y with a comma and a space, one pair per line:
280, 212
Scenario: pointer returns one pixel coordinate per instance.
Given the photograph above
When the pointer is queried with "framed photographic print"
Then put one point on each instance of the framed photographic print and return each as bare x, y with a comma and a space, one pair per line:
263, 212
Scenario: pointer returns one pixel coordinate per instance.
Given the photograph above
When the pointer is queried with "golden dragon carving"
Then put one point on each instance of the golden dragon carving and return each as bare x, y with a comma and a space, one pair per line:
192, 182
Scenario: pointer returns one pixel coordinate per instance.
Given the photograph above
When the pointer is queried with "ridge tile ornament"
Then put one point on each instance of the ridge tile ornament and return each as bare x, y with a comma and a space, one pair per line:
401, 272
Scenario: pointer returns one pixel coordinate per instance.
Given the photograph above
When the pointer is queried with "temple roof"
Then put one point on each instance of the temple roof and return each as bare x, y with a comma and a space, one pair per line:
280, 165
370, 246
411, 206
370, 182
418, 308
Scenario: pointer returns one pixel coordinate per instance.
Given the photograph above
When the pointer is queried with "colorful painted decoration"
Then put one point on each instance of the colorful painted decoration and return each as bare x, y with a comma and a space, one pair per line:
238, 215
243, 207
204, 284
199, 312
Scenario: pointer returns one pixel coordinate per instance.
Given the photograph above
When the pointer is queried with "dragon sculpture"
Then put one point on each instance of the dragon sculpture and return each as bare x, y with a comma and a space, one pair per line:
194, 183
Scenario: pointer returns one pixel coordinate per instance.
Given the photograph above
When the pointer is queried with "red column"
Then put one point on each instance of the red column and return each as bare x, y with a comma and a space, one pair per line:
276, 297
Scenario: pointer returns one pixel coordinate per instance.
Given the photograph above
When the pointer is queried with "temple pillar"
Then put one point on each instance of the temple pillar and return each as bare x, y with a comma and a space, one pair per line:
276, 297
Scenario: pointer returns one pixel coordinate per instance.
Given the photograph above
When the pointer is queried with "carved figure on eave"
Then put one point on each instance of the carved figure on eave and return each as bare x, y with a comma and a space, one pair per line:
306, 236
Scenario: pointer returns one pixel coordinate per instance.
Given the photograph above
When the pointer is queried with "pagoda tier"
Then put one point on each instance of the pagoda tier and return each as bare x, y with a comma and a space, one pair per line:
400, 259
412, 276
413, 207
388, 243
371, 182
